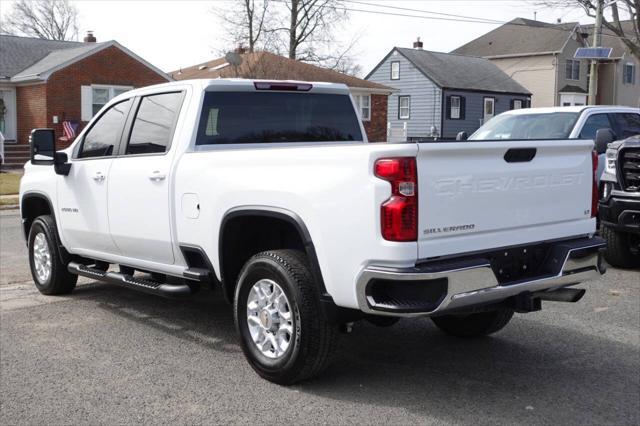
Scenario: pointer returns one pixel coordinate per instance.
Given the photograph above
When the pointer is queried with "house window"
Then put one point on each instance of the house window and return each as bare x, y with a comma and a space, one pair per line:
395, 70
489, 108
572, 69
629, 74
455, 107
517, 104
364, 106
93, 98
404, 107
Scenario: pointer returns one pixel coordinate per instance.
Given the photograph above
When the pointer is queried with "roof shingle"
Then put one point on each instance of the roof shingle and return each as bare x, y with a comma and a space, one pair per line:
455, 71
520, 36
19, 53
265, 65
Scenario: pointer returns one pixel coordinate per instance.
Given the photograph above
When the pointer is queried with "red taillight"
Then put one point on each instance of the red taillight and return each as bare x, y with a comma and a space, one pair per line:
594, 189
399, 214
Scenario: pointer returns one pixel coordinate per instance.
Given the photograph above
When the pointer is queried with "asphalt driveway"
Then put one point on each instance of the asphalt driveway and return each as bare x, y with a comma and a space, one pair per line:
105, 355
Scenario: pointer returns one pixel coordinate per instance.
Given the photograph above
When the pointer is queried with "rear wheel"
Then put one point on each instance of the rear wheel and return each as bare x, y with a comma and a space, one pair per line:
277, 314
474, 325
49, 273
620, 250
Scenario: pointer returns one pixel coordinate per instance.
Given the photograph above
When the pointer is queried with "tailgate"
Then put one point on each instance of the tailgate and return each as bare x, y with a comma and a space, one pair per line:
471, 198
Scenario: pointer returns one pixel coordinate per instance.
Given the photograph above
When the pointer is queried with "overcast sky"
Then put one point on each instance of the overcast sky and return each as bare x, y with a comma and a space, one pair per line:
175, 34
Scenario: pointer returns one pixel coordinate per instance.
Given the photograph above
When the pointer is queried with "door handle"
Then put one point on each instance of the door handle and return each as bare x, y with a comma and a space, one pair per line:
99, 177
156, 176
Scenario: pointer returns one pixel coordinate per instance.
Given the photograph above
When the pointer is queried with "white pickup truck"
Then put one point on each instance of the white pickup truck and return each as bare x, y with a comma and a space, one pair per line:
270, 192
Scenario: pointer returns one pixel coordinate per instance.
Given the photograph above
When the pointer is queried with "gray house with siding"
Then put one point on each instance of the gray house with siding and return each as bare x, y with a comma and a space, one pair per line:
441, 94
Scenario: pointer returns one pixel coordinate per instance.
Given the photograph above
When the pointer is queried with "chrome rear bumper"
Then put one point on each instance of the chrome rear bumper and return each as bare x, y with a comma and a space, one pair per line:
471, 281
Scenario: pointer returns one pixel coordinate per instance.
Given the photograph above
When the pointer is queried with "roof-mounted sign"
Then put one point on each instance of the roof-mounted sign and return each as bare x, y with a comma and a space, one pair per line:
593, 53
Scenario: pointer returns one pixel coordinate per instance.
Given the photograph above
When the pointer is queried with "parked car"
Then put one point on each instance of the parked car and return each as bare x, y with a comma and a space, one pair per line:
270, 192
620, 203
582, 122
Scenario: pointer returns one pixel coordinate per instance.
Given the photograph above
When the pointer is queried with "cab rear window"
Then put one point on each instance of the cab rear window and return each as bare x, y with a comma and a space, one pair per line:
277, 117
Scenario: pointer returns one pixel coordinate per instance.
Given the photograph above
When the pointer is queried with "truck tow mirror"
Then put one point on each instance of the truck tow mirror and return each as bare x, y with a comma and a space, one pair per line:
603, 138
462, 136
43, 146
43, 151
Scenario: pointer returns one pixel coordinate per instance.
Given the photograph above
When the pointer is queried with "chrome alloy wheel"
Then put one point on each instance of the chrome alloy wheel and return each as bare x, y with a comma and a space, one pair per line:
42, 257
269, 318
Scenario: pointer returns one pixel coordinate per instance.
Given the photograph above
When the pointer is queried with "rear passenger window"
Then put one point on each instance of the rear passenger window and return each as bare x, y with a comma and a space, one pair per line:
593, 124
104, 135
628, 124
154, 123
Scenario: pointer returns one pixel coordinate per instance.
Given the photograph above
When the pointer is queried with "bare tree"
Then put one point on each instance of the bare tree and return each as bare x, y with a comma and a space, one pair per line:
311, 22
311, 27
301, 29
248, 22
628, 32
47, 19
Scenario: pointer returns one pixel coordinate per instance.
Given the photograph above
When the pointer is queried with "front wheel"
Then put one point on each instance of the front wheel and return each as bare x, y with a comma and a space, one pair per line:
622, 251
277, 314
49, 273
474, 325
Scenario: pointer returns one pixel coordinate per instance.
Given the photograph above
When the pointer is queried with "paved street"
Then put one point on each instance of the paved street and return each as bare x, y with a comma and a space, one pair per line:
106, 355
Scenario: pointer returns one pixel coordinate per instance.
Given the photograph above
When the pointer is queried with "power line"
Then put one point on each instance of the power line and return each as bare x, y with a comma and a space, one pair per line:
484, 20
451, 17
446, 17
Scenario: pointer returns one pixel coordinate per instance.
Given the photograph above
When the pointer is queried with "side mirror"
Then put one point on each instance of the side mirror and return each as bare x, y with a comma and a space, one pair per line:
462, 136
603, 138
43, 146
43, 151
60, 163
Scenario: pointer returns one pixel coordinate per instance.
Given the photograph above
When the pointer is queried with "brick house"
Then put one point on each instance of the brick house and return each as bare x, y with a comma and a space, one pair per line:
46, 82
370, 97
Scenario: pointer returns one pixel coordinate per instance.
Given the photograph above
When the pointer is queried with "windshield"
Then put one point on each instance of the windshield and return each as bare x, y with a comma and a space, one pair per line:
557, 125
260, 117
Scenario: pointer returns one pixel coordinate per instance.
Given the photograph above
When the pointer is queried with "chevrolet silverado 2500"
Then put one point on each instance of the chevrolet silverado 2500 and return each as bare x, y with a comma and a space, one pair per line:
270, 192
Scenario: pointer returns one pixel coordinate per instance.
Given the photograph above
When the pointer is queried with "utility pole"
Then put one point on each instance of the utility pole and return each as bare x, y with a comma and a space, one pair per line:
593, 76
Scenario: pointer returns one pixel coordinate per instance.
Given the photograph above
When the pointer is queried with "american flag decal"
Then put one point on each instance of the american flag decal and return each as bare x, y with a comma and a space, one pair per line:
69, 128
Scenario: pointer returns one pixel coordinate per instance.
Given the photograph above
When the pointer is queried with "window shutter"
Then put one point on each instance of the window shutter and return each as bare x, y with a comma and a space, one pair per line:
462, 107
448, 107
86, 108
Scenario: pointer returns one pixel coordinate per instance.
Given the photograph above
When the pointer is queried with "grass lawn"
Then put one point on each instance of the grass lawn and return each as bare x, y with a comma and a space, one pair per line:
9, 183
8, 201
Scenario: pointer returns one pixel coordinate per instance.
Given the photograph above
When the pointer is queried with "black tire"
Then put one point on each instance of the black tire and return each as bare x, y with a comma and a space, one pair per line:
474, 325
313, 338
59, 280
619, 251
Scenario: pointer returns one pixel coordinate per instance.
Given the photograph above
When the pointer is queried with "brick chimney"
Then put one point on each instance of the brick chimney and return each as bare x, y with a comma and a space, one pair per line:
417, 44
89, 38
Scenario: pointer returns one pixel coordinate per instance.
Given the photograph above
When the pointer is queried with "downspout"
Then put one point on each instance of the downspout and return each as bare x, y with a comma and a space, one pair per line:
555, 82
442, 112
